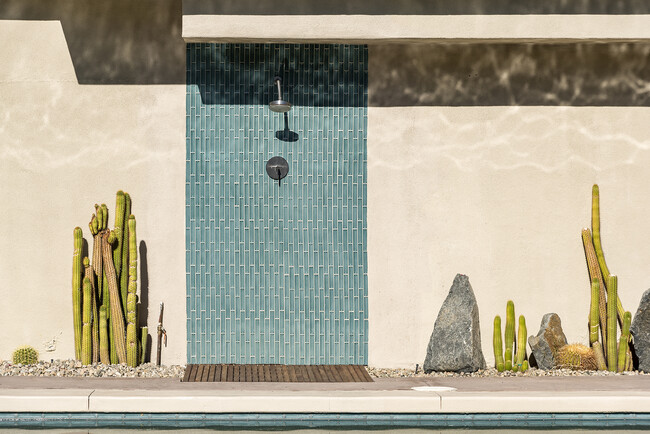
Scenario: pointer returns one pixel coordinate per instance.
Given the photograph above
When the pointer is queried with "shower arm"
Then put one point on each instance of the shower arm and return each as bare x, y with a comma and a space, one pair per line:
278, 81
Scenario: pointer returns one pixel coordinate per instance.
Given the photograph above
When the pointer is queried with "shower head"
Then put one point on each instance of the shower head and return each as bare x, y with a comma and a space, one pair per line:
279, 105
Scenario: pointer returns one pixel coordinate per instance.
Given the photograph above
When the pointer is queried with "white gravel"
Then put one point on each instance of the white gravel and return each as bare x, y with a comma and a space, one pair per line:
73, 368
492, 372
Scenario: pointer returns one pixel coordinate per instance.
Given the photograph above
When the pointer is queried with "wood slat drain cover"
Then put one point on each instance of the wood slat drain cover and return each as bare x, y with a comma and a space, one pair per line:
277, 373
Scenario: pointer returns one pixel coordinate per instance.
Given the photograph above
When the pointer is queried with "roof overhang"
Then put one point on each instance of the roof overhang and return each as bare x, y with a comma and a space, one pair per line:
371, 29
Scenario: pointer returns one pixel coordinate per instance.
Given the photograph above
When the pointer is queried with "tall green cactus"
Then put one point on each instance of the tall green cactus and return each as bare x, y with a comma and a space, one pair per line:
97, 255
119, 231
117, 315
612, 286
143, 344
497, 343
124, 275
90, 275
623, 343
593, 312
599, 356
104, 216
509, 334
594, 273
131, 332
522, 334
595, 227
132, 327
76, 290
86, 334
111, 288
104, 354
133, 256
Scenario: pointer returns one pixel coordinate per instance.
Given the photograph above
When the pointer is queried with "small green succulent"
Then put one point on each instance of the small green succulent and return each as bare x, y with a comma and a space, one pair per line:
25, 355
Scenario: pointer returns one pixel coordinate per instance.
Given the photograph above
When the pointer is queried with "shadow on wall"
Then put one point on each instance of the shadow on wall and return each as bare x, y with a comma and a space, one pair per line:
582, 74
114, 41
414, 7
320, 75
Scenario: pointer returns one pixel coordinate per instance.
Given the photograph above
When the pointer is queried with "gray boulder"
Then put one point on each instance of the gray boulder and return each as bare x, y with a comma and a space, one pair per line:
455, 343
640, 330
548, 340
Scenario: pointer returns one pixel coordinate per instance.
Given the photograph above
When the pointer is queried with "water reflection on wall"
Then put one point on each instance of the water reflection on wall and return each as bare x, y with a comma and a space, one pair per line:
583, 74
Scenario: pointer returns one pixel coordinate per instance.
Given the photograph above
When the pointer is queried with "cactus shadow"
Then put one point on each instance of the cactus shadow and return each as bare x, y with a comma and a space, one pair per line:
84, 248
144, 284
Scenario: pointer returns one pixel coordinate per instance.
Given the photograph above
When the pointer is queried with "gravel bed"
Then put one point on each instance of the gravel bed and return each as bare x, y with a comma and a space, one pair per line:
73, 368
492, 372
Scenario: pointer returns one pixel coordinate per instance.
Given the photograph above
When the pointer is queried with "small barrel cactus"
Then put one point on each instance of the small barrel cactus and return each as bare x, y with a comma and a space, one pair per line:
25, 355
577, 357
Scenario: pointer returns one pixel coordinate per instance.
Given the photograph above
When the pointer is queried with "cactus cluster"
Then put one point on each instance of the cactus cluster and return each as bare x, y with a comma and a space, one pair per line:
606, 311
104, 291
515, 359
24, 355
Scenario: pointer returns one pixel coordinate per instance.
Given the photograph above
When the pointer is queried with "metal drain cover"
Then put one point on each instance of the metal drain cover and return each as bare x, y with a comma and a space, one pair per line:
433, 389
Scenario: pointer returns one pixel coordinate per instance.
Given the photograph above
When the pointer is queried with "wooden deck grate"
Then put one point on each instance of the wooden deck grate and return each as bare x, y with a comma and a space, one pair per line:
277, 373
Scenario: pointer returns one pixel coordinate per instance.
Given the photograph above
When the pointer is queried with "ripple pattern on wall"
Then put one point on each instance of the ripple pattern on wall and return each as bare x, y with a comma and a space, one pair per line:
579, 74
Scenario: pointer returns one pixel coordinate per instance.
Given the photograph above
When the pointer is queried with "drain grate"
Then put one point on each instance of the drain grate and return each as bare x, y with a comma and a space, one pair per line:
277, 373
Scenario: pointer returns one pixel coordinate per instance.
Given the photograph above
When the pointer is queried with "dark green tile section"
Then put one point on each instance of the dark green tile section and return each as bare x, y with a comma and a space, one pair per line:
276, 274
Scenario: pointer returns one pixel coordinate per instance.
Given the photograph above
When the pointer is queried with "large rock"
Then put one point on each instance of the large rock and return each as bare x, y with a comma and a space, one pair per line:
640, 329
548, 340
455, 343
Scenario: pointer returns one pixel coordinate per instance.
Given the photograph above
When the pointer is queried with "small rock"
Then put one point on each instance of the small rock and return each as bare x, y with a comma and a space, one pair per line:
549, 339
455, 344
640, 329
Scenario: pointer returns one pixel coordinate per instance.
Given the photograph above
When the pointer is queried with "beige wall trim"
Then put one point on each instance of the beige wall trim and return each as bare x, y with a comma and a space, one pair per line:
400, 28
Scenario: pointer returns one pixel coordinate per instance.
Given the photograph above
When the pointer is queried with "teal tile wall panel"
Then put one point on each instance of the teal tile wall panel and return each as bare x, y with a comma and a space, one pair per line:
276, 274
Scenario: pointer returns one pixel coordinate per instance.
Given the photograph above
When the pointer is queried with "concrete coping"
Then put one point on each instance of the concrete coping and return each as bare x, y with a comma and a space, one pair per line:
369, 29
343, 402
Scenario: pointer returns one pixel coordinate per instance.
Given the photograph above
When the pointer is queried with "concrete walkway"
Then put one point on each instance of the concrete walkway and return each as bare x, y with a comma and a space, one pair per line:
619, 394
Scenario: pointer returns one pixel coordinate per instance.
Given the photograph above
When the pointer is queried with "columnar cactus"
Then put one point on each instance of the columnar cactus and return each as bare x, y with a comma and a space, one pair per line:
133, 256
119, 232
90, 275
131, 332
497, 343
594, 273
117, 315
143, 344
86, 339
593, 312
595, 227
509, 334
110, 287
522, 335
623, 343
76, 290
599, 357
612, 286
124, 275
104, 354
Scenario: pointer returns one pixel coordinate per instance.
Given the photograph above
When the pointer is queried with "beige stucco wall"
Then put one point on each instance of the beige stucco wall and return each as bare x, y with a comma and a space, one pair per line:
64, 147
